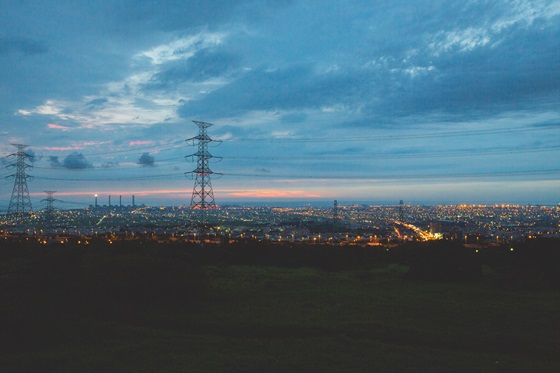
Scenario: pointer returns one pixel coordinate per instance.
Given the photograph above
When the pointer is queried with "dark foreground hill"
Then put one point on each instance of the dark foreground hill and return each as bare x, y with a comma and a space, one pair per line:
257, 307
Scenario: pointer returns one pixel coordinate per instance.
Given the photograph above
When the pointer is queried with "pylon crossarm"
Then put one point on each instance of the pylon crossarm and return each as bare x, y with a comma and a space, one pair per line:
200, 153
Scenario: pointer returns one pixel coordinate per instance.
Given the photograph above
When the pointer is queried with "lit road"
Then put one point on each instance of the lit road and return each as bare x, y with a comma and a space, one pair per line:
423, 235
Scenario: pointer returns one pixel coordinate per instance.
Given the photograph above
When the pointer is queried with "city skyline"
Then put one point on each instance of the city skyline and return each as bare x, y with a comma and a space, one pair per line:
313, 101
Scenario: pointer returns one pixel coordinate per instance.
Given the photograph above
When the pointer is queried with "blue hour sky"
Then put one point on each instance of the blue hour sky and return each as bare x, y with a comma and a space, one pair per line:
425, 101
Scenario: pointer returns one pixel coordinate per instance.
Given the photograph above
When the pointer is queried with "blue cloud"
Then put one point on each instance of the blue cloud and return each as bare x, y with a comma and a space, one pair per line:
21, 45
54, 161
204, 65
278, 69
74, 161
291, 88
146, 160
98, 102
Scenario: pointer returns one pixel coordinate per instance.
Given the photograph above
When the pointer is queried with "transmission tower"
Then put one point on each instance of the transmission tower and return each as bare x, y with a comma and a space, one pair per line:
335, 214
50, 208
202, 195
20, 203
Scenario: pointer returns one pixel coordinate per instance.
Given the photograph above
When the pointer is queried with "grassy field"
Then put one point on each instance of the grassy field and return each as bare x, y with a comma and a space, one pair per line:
155, 312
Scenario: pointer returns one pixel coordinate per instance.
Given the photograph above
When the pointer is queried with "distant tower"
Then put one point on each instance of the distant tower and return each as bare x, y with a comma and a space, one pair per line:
20, 203
50, 208
202, 195
335, 214
401, 211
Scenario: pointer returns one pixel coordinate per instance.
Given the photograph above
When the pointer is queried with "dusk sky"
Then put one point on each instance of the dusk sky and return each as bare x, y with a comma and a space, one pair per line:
378, 101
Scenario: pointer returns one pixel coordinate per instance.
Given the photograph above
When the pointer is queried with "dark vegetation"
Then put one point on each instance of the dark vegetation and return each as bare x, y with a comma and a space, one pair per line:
255, 306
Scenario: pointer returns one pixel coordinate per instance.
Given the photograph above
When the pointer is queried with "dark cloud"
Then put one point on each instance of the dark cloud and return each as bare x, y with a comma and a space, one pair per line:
204, 65
516, 68
519, 72
32, 156
291, 88
97, 102
146, 160
76, 161
54, 161
23, 46
315, 67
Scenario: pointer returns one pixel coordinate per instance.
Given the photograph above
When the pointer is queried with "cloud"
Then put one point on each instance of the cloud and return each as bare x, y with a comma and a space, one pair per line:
290, 88
109, 164
54, 161
204, 65
128, 71
140, 142
146, 160
75, 161
97, 102
485, 61
19, 45
180, 49
58, 127
517, 73
125, 108
32, 156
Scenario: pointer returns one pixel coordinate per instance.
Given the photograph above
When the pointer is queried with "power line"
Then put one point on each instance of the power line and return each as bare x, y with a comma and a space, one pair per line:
136, 149
404, 177
397, 137
341, 157
462, 153
131, 178
327, 177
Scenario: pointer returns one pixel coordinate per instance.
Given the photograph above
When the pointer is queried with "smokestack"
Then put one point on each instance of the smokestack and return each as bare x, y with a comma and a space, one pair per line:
96, 200
133, 200
120, 201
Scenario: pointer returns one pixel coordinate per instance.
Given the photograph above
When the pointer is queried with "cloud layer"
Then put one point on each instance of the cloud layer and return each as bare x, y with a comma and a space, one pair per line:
294, 88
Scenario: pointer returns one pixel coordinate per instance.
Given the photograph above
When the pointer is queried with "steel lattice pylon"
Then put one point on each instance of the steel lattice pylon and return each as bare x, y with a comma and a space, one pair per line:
49, 210
335, 214
20, 203
202, 195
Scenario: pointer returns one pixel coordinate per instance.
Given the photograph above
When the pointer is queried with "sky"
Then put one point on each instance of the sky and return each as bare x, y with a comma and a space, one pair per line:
426, 101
